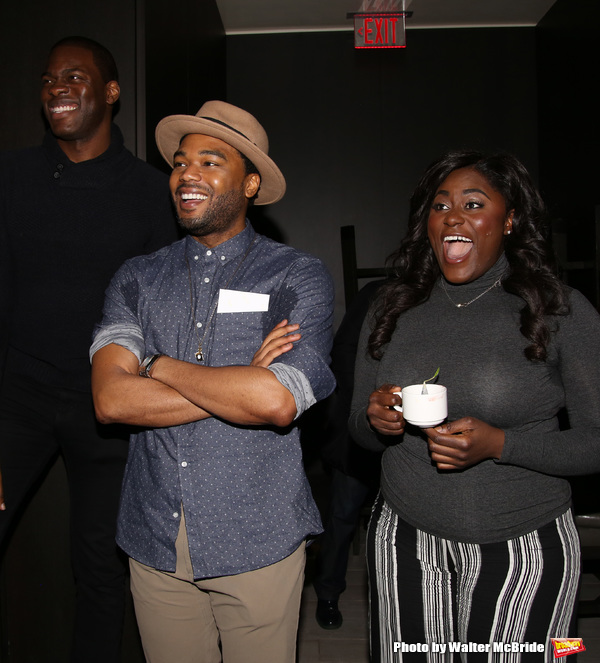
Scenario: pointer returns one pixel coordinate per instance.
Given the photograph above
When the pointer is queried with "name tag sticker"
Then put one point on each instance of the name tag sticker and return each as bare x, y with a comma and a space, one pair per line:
236, 301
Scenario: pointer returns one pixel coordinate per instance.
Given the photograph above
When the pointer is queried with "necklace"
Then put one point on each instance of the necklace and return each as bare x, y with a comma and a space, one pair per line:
481, 294
199, 354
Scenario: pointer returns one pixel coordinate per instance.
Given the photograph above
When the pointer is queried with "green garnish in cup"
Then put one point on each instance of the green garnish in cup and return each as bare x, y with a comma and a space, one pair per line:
433, 377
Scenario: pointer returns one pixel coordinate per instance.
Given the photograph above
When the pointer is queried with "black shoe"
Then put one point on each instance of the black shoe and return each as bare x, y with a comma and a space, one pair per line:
328, 615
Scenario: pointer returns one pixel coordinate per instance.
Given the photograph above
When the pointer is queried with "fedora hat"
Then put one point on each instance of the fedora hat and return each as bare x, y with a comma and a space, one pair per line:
233, 126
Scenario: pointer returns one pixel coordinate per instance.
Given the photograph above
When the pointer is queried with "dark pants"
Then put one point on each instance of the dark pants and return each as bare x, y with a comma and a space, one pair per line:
347, 498
36, 424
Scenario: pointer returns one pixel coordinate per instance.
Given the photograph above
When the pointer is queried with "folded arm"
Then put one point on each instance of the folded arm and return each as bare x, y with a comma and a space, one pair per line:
121, 395
248, 395
180, 392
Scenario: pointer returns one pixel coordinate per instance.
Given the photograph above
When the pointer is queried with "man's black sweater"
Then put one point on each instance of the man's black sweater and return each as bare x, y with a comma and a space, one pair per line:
65, 229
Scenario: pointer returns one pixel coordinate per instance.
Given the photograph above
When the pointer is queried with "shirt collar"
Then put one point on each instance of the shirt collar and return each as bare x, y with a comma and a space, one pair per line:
228, 250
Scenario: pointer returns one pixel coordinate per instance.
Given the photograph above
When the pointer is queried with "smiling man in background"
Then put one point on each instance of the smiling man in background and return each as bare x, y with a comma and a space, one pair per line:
71, 211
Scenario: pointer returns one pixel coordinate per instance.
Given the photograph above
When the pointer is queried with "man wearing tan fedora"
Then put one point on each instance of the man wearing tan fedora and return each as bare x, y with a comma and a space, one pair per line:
216, 508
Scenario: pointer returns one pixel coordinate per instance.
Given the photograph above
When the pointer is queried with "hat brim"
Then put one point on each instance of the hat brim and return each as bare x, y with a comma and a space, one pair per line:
172, 129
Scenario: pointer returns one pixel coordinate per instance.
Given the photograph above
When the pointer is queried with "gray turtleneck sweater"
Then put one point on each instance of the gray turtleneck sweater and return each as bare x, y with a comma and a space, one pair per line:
479, 350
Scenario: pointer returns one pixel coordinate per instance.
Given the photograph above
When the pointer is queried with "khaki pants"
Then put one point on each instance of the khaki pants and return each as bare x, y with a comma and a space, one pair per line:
253, 615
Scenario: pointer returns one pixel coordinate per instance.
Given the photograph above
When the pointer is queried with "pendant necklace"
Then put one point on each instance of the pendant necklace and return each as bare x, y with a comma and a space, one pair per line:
465, 304
199, 353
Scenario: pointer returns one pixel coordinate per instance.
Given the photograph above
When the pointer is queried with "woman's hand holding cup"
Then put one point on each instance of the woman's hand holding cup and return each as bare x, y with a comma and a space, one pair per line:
381, 413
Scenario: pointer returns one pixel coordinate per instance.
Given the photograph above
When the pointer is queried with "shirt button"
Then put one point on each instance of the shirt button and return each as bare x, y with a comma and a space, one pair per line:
209, 252
175, 515
222, 257
198, 324
206, 280
195, 257
184, 464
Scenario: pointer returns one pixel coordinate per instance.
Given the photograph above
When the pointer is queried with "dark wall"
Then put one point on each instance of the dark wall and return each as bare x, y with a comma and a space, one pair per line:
353, 130
568, 63
185, 63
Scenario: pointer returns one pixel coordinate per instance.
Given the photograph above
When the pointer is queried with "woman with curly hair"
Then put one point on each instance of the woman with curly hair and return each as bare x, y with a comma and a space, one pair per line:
472, 538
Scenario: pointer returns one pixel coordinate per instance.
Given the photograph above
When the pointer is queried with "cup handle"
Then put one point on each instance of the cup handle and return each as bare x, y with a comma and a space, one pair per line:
397, 407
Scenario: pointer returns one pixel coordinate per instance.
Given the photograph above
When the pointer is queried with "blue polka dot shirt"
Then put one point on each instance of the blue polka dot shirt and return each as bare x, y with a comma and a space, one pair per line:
244, 492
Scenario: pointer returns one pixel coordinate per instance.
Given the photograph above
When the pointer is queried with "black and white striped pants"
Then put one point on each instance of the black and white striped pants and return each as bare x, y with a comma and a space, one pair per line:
427, 592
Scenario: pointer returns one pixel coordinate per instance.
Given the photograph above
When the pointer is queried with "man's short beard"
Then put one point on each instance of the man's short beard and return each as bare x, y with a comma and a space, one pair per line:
218, 217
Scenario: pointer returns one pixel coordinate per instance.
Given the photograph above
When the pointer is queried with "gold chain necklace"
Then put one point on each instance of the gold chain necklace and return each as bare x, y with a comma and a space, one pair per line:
481, 294
199, 354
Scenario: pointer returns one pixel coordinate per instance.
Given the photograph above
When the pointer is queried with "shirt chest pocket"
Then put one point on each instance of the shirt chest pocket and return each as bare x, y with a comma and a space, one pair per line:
237, 336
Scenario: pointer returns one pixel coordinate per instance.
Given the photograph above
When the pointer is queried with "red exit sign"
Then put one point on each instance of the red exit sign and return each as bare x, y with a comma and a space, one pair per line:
379, 30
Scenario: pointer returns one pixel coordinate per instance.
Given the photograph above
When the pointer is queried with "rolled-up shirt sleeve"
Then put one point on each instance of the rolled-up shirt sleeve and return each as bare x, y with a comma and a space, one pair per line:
307, 299
127, 335
296, 383
120, 324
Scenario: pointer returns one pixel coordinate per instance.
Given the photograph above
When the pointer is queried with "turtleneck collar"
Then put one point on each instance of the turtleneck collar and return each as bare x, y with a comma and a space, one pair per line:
95, 173
56, 155
461, 290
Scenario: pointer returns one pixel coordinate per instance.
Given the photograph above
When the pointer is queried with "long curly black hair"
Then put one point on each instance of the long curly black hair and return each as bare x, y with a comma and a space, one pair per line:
533, 273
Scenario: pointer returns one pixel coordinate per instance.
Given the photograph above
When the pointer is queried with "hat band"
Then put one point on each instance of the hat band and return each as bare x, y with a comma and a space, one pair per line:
228, 126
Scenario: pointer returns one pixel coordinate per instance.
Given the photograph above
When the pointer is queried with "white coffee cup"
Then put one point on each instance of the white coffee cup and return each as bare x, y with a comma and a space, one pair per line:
424, 410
